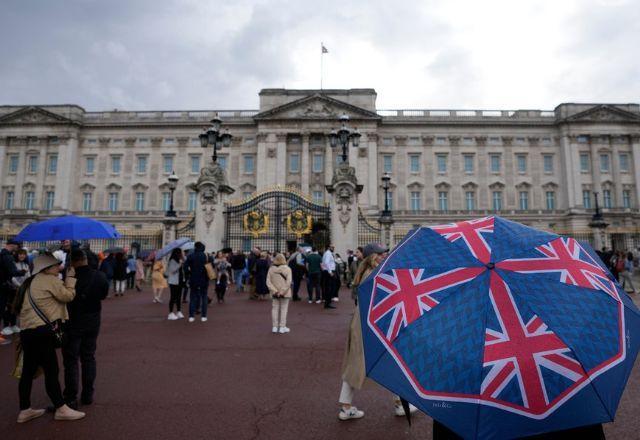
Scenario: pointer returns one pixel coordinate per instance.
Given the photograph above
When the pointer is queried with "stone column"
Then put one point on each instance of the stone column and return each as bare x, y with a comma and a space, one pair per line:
635, 147
212, 190
260, 162
305, 166
372, 165
69, 168
344, 190
281, 159
169, 230
570, 165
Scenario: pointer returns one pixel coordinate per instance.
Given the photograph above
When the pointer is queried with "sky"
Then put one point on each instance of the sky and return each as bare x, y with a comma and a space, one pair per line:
421, 54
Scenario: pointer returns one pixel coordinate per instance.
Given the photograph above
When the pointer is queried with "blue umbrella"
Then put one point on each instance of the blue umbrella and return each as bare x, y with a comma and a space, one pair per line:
68, 227
498, 330
171, 246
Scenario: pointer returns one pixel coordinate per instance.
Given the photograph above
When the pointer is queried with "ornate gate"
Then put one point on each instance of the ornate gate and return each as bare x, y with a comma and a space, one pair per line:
276, 220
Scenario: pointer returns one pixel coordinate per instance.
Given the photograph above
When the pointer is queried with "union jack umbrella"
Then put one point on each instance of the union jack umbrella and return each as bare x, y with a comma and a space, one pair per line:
498, 330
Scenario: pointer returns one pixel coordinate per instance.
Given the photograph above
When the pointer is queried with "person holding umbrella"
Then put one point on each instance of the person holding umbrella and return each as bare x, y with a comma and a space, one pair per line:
173, 271
41, 304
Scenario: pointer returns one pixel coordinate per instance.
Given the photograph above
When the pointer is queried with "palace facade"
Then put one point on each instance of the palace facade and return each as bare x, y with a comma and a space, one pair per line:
542, 168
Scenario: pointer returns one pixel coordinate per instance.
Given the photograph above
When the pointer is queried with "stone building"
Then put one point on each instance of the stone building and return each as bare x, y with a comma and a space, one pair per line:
538, 167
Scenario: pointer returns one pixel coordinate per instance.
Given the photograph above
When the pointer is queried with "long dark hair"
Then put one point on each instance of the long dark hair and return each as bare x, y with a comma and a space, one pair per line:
176, 254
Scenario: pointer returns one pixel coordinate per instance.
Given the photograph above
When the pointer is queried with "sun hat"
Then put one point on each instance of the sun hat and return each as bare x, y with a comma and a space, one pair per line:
374, 248
44, 261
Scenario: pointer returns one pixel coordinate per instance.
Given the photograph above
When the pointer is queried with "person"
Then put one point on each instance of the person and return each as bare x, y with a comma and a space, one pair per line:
627, 272
131, 272
222, 269
198, 281
298, 269
139, 272
313, 262
353, 367
238, 264
329, 278
158, 282
82, 329
175, 288
279, 280
261, 270
353, 268
49, 294
107, 267
120, 273
92, 258
9, 318
8, 271
252, 260
184, 281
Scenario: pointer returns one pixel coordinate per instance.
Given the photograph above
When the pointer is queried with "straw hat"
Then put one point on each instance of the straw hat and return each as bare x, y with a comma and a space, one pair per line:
44, 261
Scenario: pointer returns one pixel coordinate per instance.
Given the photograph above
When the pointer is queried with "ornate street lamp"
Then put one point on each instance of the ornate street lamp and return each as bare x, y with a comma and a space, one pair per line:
386, 178
343, 136
214, 136
597, 222
386, 216
173, 184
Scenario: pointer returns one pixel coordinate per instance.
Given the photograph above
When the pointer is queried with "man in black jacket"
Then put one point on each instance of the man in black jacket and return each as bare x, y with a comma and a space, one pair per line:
82, 329
8, 270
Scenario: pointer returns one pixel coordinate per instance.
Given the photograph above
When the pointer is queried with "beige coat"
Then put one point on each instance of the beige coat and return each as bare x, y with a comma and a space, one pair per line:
279, 280
51, 296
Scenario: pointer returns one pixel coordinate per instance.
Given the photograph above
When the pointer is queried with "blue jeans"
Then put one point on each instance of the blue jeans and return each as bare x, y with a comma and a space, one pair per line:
237, 278
198, 300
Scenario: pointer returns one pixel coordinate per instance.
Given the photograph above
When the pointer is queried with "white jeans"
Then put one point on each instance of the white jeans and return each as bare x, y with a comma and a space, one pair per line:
120, 285
625, 277
279, 307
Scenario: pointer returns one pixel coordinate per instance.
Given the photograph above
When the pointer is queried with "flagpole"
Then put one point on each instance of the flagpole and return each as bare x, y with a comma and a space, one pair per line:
321, 62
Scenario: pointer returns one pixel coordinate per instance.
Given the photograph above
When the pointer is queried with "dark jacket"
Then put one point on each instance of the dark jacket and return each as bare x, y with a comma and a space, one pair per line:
197, 273
120, 269
91, 288
8, 268
238, 262
107, 267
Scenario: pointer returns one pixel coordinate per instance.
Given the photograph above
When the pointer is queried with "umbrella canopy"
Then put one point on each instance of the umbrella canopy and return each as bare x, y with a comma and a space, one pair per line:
68, 227
188, 246
498, 330
171, 246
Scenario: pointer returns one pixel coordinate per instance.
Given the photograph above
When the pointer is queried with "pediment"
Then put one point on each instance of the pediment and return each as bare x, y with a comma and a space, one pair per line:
33, 116
316, 106
604, 113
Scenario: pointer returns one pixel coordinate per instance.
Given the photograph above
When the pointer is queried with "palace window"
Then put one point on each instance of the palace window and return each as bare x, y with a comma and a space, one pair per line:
167, 164
522, 163
32, 164
442, 163
624, 162
139, 201
387, 163
115, 164
13, 163
497, 200
48, 200
90, 165
626, 198
29, 200
551, 200
586, 199
524, 200
495, 163
141, 166
584, 162
86, 201
195, 164
606, 195
249, 164
470, 200
390, 200
604, 163
443, 201
317, 165
318, 197
53, 164
414, 163
113, 201
166, 201
468, 163
415, 201
222, 161
548, 163
8, 200
192, 201
294, 162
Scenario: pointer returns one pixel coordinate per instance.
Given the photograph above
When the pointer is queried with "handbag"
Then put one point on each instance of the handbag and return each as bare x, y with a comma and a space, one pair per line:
211, 272
55, 327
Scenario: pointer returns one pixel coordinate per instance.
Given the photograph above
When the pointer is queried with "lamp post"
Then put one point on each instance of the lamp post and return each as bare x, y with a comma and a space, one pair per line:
386, 216
216, 137
173, 184
597, 222
343, 136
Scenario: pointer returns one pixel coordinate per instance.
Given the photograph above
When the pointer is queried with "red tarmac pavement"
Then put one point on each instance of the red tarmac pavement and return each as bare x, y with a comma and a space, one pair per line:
229, 378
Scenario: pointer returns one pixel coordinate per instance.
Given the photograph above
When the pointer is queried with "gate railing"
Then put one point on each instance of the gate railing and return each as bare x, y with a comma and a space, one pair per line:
188, 230
367, 232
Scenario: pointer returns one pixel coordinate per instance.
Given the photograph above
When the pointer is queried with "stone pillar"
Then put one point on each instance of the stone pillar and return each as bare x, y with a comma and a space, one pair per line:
69, 168
344, 190
281, 159
260, 162
305, 166
386, 222
169, 230
211, 189
635, 146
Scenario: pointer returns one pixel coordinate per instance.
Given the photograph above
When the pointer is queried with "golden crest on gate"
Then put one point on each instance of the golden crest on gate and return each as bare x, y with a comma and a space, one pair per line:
256, 222
299, 223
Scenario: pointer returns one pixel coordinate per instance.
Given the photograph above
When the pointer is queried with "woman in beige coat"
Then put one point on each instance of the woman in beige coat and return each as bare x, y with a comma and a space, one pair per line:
50, 296
279, 283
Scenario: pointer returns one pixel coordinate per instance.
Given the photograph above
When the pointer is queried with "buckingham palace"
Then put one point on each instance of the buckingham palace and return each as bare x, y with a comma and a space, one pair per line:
539, 167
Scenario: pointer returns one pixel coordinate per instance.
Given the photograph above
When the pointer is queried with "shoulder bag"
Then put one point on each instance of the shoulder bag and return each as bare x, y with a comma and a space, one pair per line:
55, 327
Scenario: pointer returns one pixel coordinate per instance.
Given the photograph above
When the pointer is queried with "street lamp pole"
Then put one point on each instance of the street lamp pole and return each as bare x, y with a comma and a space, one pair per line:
343, 136
214, 136
597, 222
386, 216
173, 184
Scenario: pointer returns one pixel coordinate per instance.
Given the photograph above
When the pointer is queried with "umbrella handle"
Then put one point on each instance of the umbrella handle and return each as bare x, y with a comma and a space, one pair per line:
407, 410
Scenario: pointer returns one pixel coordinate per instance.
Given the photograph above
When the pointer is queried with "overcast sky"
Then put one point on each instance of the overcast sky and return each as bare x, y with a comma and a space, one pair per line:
211, 54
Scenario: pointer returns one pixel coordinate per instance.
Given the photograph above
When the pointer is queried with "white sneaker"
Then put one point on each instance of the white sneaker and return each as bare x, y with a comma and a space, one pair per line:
179, 315
7, 331
318, 301
15, 329
335, 299
284, 330
203, 319
274, 329
192, 319
399, 410
172, 316
351, 413
310, 302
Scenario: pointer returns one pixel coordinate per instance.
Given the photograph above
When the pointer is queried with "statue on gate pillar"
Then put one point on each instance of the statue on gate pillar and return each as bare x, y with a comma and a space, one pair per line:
211, 189
344, 190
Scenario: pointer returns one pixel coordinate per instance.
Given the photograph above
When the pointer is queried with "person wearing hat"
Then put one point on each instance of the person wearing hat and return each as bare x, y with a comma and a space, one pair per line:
8, 271
353, 366
50, 295
279, 280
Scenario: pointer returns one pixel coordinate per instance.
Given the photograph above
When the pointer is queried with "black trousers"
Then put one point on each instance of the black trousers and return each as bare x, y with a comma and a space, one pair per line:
329, 283
39, 351
313, 284
80, 345
131, 280
6, 300
176, 297
297, 281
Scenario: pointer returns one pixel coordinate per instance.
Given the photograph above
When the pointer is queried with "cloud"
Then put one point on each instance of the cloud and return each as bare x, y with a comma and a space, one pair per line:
203, 54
